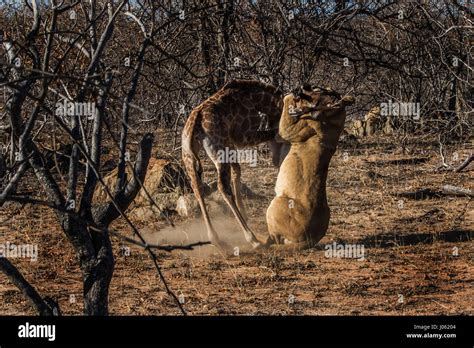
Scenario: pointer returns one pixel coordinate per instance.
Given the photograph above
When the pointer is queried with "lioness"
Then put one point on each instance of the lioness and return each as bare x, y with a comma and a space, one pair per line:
312, 121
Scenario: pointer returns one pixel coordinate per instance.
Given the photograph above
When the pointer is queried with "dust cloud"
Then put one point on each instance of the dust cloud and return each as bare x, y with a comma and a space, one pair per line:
194, 230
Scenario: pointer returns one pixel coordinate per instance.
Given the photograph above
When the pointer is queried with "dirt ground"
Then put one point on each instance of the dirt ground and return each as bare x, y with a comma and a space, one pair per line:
418, 253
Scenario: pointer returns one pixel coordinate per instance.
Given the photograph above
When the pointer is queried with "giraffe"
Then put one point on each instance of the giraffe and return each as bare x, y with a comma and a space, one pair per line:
231, 118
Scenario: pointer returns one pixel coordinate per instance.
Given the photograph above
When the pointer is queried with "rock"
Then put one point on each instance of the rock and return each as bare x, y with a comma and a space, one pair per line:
165, 181
162, 177
187, 206
144, 213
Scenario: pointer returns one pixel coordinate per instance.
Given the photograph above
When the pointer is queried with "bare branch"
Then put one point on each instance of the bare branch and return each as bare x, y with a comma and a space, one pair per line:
26, 288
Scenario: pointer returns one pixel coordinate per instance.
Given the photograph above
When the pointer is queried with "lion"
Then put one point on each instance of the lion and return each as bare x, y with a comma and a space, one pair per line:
373, 121
357, 128
372, 124
311, 124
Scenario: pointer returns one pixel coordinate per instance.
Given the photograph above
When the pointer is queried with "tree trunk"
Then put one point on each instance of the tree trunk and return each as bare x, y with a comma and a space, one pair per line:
97, 274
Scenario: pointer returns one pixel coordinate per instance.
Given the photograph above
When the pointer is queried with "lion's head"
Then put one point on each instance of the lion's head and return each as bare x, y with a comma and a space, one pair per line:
316, 103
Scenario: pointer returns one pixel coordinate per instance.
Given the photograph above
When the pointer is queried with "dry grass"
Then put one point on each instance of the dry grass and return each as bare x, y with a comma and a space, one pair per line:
409, 251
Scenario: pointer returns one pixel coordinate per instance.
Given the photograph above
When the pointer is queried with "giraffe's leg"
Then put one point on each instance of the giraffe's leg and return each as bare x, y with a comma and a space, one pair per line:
192, 165
224, 186
275, 149
237, 189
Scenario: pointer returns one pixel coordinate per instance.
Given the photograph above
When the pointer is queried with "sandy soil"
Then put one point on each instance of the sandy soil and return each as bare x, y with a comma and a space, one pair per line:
418, 253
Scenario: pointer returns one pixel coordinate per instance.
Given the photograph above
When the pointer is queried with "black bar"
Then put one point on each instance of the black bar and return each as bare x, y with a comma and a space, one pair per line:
244, 330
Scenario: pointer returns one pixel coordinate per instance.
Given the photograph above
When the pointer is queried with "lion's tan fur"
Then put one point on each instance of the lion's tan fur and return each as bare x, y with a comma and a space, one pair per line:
299, 214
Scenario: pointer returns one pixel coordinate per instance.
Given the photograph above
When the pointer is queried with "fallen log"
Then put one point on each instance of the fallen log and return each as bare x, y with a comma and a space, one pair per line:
426, 193
451, 190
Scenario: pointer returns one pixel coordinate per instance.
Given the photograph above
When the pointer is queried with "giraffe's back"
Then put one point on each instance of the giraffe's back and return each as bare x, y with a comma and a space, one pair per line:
242, 112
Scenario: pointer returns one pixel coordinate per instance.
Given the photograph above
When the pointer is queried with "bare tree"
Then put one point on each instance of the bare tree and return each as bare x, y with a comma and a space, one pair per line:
143, 65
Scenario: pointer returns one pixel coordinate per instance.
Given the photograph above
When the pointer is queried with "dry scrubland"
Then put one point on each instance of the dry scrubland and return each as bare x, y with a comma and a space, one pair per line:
92, 77
410, 249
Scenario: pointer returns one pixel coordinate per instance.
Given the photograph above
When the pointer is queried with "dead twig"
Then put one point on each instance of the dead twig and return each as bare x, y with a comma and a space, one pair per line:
464, 164
164, 247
